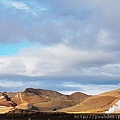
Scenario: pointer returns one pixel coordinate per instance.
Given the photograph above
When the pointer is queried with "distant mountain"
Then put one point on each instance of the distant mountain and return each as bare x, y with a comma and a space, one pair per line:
47, 100
77, 96
97, 104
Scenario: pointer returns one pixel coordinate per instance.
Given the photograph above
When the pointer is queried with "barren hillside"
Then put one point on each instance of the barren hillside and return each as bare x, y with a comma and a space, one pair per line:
48, 100
96, 104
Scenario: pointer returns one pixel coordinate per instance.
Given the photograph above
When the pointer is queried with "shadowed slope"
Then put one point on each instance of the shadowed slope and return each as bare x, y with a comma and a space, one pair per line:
96, 104
47, 100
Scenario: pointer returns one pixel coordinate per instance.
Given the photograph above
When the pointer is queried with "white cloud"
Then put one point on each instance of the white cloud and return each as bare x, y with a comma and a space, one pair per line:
19, 5
78, 22
112, 70
104, 39
16, 4
17, 84
57, 60
63, 86
83, 35
8, 83
91, 89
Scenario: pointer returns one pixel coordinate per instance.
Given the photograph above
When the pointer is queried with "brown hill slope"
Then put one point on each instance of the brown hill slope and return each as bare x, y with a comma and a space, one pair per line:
77, 96
9, 94
6, 104
96, 104
47, 100
49, 93
32, 95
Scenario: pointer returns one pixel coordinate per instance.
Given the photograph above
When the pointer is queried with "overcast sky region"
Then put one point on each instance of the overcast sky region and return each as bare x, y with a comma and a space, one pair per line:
63, 45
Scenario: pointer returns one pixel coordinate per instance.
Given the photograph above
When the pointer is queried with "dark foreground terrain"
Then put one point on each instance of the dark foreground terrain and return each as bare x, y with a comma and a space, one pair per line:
58, 116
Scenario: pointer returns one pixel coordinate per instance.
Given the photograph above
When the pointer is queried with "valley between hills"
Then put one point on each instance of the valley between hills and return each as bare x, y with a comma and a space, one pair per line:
51, 101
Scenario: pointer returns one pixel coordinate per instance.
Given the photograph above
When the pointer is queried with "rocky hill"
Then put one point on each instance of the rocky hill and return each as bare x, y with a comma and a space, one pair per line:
47, 100
97, 104
6, 104
42, 100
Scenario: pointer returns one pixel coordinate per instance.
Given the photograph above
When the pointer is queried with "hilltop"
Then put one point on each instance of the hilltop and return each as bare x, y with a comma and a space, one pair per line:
96, 104
50, 101
41, 100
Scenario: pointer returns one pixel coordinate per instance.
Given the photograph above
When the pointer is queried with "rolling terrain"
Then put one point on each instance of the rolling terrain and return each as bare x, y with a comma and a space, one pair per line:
96, 104
49, 101
42, 100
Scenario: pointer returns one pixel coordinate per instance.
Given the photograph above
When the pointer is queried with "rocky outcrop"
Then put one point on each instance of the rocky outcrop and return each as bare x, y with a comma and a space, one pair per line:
24, 106
45, 93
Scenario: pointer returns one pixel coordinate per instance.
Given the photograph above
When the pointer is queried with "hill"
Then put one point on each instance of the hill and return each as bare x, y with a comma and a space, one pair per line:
46, 100
96, 104
49, 100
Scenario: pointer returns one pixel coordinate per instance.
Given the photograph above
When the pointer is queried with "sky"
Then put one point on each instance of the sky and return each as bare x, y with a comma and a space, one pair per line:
61, 45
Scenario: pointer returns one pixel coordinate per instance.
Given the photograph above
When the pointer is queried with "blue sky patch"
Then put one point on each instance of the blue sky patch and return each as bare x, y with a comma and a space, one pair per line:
11, 49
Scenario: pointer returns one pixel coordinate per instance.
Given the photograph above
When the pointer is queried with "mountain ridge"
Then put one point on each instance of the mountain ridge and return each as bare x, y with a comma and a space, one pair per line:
44, 100
50, 101
96, 104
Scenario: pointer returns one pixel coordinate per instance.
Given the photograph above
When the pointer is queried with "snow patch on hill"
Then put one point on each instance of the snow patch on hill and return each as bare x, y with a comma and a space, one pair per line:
114, 108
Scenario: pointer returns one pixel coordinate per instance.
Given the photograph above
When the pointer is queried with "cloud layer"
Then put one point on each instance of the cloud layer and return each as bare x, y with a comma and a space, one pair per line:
84, 24
68, 39
60, 60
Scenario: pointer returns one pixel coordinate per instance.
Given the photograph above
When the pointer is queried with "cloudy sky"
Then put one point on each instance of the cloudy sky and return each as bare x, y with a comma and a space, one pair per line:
63, 45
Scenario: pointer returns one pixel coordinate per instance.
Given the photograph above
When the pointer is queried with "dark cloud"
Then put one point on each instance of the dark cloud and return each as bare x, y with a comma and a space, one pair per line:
69, 22
66, 85
79, 39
